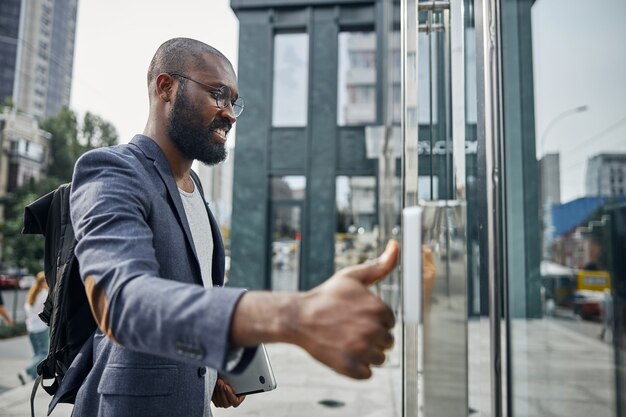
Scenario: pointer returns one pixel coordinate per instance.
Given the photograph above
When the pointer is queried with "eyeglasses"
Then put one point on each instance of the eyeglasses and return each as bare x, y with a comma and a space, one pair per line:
222, 95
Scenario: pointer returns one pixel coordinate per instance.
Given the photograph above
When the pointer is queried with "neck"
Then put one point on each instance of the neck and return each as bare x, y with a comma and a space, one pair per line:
179, 165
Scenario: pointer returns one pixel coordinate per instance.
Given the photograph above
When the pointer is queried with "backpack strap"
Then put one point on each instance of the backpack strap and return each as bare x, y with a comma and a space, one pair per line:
32, 395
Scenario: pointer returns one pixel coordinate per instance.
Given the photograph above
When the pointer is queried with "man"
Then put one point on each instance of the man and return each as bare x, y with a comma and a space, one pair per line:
152, 261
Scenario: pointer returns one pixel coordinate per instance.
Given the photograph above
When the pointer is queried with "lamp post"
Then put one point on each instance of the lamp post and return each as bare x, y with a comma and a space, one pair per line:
548, 193
557, 119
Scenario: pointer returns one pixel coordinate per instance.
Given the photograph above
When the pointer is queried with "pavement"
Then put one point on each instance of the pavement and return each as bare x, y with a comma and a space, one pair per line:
559, 368
305, 388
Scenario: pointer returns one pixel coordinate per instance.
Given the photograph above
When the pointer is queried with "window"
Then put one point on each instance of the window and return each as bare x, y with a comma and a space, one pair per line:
356, 101
290, 187
355, 239
291, 79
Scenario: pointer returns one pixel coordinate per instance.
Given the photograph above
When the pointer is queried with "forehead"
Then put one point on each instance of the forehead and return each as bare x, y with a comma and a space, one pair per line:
213, 69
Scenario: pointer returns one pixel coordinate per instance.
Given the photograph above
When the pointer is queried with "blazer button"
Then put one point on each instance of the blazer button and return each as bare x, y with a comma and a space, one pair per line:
201, 372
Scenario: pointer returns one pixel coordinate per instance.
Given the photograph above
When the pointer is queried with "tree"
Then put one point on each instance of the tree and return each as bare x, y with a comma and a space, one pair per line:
64, 146
68, 142
97, 132
23, 251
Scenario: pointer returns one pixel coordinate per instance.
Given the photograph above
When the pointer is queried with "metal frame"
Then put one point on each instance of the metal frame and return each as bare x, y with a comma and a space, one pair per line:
489, 91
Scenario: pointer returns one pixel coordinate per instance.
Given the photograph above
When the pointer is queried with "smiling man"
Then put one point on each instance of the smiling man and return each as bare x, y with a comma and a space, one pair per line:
152, 260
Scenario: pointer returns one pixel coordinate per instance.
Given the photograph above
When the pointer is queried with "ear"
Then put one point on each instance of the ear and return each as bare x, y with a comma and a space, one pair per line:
164, 87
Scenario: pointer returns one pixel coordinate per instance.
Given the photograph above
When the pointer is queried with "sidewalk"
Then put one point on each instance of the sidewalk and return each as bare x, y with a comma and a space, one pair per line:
302, 384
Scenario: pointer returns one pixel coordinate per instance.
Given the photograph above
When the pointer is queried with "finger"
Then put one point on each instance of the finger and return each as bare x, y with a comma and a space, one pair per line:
240, 399
361, 371
384, 340
230, 395
220, 395
387, 318
375, 357
371, 272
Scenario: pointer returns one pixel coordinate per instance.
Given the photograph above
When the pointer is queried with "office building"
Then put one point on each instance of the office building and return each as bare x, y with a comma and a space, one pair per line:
606, 175
37, 50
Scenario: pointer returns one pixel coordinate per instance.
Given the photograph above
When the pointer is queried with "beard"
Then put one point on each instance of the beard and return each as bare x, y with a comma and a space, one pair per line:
189, 135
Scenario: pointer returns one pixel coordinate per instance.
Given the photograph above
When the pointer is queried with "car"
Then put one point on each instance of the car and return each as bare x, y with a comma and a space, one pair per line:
586, 304
8, 282
26, 281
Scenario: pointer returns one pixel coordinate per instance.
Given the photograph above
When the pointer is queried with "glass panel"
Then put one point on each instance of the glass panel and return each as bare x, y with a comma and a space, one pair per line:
291, 187
286, 240
291, 79
564, 64
355, 238
356, 101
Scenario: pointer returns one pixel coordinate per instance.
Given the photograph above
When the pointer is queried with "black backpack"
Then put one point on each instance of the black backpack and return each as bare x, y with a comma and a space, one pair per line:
66, 310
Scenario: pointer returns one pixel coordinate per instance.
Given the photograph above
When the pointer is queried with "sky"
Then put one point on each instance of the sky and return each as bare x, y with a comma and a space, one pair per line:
115, 41
578, 56
579, 59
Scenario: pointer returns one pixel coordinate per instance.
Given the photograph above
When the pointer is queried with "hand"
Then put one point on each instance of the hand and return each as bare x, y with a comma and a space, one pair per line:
224, 396
342, 324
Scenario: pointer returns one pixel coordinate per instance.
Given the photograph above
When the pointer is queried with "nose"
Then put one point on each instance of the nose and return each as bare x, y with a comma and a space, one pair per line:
229, 113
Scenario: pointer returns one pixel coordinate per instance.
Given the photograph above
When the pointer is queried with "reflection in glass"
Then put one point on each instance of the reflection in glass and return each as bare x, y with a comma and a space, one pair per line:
291, 78
565, 297
355, 238
356, 101
290, 187
286, 240
287, 193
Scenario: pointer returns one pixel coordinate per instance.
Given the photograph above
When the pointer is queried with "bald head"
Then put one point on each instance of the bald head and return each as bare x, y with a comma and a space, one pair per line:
179, 55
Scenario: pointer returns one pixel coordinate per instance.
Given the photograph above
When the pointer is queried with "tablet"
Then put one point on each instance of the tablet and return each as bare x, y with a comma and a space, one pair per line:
257, 377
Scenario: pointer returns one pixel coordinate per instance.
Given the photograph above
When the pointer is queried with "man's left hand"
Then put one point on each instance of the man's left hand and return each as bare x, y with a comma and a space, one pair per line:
224, 396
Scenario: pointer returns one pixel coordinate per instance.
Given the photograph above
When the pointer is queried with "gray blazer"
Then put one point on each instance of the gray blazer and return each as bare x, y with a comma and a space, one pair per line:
158, 327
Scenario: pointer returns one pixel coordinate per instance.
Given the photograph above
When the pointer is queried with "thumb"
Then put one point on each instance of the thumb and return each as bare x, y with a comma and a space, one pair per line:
371, 272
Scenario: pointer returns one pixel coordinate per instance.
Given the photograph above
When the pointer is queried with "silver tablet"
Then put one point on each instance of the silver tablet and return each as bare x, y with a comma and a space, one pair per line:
257, 377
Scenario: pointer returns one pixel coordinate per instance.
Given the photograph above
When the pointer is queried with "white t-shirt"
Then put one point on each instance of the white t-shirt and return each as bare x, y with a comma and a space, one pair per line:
33, 322
198, 219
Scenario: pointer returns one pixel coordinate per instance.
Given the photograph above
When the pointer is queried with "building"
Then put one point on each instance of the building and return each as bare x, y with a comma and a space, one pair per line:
23, 150
313, 76
37, 51
606, 175
477, 321
217, 181
550, 171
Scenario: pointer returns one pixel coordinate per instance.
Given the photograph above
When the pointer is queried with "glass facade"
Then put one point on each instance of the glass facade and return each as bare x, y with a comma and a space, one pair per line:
9, 31
356, 101
287, 193
512, 127
521, 281
291, 69
565, 299
355, 239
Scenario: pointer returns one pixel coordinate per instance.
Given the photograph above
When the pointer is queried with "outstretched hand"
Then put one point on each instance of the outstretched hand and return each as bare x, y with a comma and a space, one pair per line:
342, 324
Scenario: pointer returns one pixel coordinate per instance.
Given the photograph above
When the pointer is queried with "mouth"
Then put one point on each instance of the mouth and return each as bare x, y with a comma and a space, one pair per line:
220, 132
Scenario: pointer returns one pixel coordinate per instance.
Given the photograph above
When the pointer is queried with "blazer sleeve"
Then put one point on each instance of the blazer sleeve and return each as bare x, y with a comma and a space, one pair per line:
132, 305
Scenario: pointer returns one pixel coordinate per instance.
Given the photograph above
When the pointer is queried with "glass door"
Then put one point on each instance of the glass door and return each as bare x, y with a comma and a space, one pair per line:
514, 163
564, 174
441, 276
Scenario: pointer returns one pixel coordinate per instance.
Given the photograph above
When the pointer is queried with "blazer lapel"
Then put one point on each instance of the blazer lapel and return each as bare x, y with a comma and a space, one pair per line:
152, 151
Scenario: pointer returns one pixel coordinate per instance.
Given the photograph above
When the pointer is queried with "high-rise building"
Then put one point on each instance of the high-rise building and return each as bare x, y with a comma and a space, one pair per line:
550, 171
606, 175
37, 52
